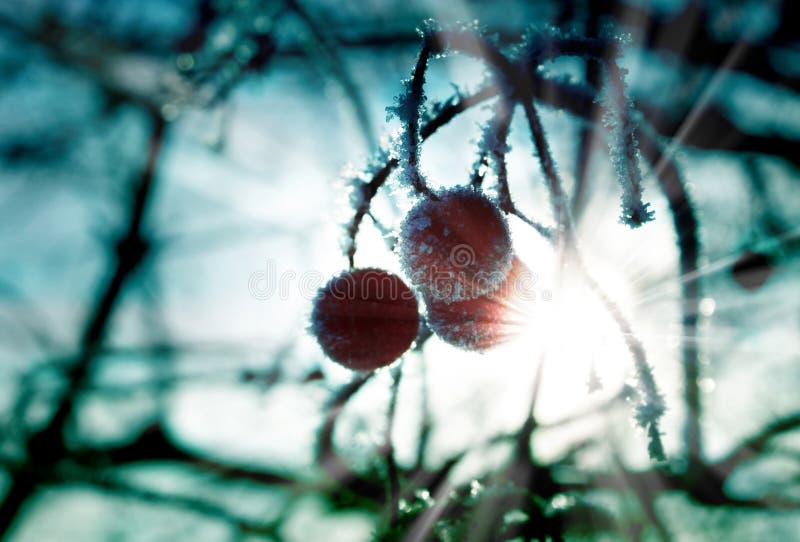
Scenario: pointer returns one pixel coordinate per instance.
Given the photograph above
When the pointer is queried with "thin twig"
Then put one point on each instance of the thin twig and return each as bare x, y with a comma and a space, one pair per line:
388, 447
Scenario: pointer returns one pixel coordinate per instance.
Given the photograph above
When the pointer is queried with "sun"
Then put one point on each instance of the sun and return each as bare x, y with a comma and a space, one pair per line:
570, 331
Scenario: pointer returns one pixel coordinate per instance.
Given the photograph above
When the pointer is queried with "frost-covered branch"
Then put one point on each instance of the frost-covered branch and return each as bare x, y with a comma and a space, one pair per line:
408, 108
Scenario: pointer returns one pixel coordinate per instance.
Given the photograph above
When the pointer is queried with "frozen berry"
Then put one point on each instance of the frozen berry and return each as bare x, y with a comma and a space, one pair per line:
365, 319
488, 320
456, 246
752, 270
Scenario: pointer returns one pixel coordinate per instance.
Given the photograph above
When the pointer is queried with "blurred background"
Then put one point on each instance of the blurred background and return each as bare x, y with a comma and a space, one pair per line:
176, 179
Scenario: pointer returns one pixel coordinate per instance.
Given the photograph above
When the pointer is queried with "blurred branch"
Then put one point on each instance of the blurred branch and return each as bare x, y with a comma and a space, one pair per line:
47, 444
667, 33
713, 130
706, 483
613, 401
116, 71
524, 453
757, 443
153, 444
588, 137
327, 457
326, 44
646, 494
426, 425
388, 447
192, 504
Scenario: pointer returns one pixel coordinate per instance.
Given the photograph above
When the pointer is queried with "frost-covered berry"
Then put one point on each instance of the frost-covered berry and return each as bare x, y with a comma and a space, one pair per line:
752, 270
365, 319
488, 320
456, 247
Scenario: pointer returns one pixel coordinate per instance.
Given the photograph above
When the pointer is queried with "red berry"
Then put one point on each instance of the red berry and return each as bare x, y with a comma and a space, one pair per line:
752, 270
365, 319
456, 247
488, 320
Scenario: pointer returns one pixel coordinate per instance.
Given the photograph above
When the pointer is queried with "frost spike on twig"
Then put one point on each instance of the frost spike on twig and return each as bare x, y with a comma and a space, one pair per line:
624, 150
